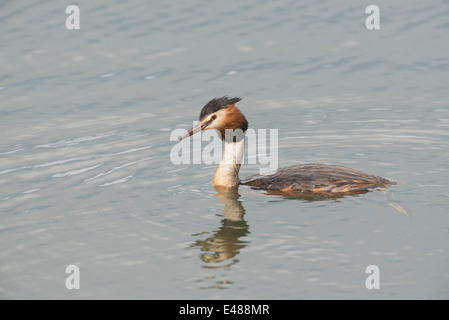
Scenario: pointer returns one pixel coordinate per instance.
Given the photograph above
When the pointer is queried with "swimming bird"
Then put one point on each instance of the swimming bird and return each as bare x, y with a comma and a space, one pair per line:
311, 179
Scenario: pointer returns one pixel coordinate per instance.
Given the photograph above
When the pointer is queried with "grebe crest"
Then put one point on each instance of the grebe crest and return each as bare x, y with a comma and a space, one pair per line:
222, 115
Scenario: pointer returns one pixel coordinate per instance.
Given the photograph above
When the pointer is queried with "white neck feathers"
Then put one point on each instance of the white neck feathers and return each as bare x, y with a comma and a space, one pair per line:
227, 174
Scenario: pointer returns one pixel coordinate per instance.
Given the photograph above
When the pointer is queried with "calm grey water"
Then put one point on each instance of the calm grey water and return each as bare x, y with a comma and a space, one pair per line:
85, 171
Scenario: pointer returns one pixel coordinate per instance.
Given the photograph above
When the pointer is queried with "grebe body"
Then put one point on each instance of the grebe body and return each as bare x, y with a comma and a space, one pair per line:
314, 178
306, 179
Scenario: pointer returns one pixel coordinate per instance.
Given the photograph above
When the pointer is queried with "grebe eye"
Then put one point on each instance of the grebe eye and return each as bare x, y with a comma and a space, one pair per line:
213, 117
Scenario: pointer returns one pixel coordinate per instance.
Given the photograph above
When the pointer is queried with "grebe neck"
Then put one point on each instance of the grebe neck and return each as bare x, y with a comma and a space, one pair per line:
227, 175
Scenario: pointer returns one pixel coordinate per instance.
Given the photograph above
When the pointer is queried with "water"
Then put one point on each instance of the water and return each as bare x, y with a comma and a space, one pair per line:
86, 177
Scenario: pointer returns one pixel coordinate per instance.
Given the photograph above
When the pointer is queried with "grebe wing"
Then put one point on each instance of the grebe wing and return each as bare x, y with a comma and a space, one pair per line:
317, 178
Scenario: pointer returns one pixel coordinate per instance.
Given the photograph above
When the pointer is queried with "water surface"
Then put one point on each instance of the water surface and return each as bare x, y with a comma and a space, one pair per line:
85, 171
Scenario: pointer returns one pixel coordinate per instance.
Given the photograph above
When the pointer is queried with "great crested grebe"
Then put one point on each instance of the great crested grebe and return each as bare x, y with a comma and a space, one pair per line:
304, 179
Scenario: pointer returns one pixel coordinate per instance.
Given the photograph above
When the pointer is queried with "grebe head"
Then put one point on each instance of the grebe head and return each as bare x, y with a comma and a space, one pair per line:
220, 114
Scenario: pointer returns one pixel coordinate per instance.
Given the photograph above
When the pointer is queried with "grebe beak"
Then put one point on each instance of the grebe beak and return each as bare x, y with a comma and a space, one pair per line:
200, 126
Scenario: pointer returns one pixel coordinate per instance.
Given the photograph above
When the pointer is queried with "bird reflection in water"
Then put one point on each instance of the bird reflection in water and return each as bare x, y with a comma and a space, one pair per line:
225, 243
